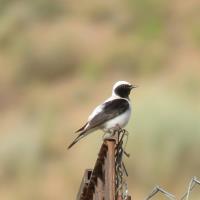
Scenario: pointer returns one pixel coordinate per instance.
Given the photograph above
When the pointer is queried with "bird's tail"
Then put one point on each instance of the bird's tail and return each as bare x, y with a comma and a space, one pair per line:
79, 137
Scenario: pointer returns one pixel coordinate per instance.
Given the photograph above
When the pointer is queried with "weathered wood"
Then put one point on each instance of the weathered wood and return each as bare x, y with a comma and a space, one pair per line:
110, 171
84, 183
99, 183
99, 189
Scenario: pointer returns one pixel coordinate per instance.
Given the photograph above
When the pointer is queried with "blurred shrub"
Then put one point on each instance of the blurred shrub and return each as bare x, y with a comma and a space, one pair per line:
168, 134
136, 27
47, 9
56, 62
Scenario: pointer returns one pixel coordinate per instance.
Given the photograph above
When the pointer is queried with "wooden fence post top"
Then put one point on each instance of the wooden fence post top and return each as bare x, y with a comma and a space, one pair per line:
100, 183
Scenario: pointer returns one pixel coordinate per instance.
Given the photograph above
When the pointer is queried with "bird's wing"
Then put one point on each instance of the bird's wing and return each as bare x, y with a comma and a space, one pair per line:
103, 113
109, 110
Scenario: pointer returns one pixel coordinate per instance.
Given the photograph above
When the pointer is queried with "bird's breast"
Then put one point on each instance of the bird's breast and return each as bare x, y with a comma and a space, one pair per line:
120, 120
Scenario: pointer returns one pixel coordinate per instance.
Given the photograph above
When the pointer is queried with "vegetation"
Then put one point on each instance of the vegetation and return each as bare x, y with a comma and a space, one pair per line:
60, 58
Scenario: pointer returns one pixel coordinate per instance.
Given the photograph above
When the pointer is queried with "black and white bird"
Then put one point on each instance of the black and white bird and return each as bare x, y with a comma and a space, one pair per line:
112, 114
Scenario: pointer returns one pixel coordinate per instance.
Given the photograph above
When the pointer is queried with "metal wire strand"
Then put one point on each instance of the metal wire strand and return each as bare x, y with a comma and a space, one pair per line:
121, 184
194, 181
158, 189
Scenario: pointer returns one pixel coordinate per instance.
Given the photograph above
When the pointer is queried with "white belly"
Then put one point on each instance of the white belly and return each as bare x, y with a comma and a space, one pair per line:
121, 121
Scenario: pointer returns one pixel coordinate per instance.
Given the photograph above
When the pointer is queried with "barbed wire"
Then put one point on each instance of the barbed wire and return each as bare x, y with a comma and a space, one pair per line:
121, 172
158, 189
193, 182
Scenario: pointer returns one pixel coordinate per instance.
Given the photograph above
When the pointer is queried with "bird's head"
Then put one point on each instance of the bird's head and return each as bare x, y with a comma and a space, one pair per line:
122, 89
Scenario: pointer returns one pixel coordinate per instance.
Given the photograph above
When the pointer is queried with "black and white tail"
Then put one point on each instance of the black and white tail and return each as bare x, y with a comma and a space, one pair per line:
83, 131
79, 137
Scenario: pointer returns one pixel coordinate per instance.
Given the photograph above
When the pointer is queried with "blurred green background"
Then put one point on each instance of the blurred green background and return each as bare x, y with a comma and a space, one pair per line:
59, 59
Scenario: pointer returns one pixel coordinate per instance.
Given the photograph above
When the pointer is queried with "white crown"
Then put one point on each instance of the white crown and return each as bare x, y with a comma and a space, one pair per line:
120, 83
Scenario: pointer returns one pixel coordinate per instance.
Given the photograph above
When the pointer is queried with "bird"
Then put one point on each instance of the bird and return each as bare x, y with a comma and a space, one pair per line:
113, 114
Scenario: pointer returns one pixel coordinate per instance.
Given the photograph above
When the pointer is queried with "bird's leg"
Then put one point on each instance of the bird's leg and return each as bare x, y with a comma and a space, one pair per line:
115, 135
106, 134
115, 132
109, 134
118, 128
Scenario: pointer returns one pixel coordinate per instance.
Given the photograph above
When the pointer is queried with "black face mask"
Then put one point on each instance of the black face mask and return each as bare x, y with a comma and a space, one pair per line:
123, 90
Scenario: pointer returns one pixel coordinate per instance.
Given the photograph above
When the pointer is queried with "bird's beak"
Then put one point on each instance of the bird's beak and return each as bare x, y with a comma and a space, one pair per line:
133, 86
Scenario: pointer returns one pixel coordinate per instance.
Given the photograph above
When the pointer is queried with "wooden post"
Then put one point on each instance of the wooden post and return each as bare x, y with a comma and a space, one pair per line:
99, 194
110, 171
99, 184
85, 181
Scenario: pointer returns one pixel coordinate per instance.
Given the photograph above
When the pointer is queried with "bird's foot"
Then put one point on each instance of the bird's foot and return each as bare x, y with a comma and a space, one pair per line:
114, 133
110, 134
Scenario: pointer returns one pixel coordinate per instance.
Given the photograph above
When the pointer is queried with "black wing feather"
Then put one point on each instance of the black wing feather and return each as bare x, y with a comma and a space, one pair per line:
82, 128
111, 109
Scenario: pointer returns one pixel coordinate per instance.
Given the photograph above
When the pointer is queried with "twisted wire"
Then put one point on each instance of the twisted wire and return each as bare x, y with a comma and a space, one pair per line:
121, 172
